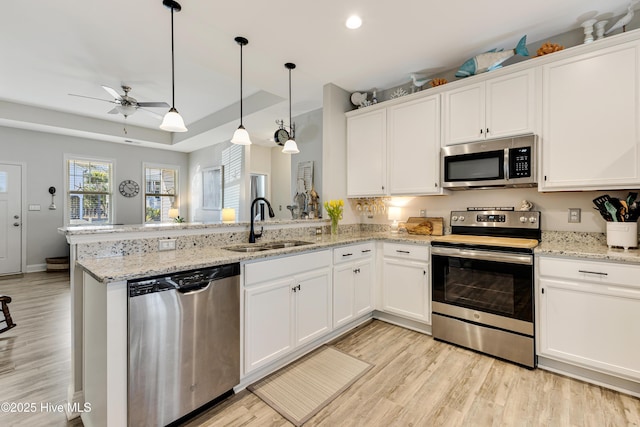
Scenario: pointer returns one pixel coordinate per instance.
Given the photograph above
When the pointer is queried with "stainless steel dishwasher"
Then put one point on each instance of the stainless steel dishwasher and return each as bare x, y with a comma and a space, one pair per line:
184, 342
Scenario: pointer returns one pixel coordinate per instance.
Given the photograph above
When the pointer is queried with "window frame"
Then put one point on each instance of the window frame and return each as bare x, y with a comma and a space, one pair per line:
175, 195
68, 157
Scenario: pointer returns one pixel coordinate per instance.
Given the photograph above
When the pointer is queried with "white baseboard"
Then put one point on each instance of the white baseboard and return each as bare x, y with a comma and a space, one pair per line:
33, 268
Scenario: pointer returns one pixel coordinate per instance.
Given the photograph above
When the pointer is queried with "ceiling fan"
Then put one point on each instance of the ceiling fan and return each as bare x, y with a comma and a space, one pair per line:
125, 104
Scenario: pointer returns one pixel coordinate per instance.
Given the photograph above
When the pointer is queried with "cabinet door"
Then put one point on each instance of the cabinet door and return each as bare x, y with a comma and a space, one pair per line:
313, 305
405, 289
591, 121
366, 154
343, 293
463, 114
593, 325
268, 322
510, 105
363, 287
414, 147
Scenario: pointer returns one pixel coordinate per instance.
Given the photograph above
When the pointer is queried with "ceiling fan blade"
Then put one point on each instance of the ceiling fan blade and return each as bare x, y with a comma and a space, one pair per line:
91, 97
112, 92
113, 111
151, 113
154, 104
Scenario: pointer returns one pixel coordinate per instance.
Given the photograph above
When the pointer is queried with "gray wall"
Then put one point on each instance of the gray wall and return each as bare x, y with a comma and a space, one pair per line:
43, 155
309, 140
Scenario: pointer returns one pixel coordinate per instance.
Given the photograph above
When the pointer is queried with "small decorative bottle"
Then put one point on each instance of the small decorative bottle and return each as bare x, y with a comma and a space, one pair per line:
374, 97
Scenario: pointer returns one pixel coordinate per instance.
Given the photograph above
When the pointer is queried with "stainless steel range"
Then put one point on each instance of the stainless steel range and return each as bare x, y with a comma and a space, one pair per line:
482, 283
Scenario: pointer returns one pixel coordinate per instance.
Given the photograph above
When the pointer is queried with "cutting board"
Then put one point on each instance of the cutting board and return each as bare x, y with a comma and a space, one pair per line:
425, 225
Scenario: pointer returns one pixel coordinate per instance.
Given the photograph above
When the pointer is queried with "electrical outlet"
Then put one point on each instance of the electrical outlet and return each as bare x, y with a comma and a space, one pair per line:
423, 213
574, 215
167, 245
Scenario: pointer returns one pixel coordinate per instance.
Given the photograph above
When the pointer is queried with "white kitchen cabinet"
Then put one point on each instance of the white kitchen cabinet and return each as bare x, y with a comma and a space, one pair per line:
406, 283
413, 146
496, 108
287, 303
353, 281
367, 154
588, 314
591, 117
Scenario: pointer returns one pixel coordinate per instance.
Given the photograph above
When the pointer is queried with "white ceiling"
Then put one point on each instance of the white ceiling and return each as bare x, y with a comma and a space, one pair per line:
50, 49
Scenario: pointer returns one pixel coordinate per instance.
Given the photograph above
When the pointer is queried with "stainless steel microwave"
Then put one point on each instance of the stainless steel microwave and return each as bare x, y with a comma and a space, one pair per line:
490, 164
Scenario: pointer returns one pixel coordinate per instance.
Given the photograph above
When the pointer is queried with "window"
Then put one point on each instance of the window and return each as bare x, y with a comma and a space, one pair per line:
212, 188
161, 194
89, 198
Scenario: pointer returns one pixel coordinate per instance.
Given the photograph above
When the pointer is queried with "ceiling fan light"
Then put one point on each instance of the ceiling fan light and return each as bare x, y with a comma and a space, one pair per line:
241, 136
290, 147
173, 122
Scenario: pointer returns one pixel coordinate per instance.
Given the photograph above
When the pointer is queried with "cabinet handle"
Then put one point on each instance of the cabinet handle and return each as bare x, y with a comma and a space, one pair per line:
356, 270
593, 272
487, 130
480, 131
424, 272
436, 184
543, 290
383, 187
347, 254
296, 288
402, 252
366, 250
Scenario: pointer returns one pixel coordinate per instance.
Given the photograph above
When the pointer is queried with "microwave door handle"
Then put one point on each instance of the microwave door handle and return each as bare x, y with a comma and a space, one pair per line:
506, 164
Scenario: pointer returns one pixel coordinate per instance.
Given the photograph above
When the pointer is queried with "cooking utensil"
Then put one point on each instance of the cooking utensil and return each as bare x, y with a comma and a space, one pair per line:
611, 209
599, 202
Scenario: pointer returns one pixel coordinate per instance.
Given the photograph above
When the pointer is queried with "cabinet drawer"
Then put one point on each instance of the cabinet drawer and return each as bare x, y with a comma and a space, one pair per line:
590, 271
284, 267
414, 252
351, 252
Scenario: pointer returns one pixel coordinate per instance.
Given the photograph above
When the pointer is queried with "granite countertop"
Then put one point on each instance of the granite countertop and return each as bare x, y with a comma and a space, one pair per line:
112, 269
591, 246
115, 269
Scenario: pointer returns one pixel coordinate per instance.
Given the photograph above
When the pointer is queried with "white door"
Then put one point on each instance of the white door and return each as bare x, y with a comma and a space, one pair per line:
10, 219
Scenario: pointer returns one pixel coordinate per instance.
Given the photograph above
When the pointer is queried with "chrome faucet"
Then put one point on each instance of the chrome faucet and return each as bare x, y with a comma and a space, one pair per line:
252, 235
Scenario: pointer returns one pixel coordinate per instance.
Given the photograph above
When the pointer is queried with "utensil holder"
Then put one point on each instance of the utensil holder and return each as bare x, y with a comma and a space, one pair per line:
622, 234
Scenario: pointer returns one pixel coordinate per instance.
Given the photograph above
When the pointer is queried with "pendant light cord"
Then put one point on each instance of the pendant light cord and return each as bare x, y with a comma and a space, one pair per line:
290, 122
173, 82
240, 84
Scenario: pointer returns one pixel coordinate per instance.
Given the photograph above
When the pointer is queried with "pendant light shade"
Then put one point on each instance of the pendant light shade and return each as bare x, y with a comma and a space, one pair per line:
290, 147
241, 136
173, 121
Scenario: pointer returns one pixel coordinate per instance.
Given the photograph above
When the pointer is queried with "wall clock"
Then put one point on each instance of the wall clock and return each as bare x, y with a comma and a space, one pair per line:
129, 188
281, 136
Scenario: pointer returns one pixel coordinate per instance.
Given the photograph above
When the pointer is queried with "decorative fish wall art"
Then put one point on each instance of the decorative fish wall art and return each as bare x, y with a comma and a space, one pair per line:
491, 60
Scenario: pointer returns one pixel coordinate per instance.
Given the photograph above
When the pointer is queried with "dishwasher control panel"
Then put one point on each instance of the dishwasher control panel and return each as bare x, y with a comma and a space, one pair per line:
151, 286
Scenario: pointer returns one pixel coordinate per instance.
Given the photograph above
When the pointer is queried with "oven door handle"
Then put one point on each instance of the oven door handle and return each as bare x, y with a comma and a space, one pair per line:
484, 255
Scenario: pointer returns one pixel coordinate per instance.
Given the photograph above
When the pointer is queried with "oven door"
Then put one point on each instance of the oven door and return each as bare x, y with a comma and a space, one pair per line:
484, 286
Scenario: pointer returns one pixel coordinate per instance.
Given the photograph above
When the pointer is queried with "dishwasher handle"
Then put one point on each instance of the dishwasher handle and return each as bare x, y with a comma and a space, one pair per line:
194, 288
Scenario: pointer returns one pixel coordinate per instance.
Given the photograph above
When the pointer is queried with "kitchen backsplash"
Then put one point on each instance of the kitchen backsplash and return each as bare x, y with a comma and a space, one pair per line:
554, 206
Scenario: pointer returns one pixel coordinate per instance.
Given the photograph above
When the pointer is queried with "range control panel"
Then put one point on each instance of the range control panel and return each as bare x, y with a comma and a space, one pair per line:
496, 218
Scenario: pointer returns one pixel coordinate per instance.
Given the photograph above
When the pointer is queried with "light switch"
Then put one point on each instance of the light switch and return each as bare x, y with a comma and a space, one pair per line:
34, 207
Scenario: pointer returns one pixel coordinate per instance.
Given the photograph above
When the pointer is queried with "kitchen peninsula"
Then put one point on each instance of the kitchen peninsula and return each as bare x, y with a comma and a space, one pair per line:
107, 257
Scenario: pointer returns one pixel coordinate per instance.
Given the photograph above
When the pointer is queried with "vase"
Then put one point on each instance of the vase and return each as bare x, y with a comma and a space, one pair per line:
334, 226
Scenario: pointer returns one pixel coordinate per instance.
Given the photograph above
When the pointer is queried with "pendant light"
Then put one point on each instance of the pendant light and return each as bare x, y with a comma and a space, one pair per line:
290, 147
172, 121
241, 136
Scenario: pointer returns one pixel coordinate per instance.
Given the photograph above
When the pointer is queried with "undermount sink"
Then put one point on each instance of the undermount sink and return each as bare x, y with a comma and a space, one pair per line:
255, 247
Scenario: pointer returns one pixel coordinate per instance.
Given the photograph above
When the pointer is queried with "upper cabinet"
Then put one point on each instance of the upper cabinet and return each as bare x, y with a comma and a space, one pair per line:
591, 121
395, 150
414, 147
499, 107
366, 154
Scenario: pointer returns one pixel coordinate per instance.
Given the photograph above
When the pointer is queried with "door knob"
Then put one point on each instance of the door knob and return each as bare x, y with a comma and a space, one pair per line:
16, 224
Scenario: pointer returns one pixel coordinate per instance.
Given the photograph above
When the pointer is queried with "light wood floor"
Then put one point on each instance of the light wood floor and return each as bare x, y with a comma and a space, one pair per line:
416, 381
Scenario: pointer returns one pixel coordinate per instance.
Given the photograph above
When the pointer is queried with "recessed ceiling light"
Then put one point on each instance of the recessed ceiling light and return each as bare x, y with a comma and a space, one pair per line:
354, 22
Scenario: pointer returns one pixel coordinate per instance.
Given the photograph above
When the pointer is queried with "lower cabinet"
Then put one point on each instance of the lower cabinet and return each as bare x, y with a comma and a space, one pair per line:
287, 302
406, 287
588, 314
353, 281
